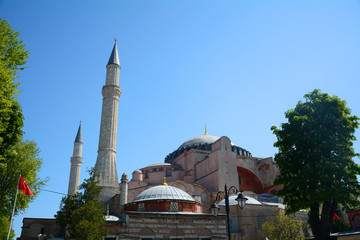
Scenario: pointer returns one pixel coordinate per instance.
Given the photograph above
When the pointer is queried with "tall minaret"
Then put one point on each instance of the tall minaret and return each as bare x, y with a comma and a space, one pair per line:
76, 161
106, 161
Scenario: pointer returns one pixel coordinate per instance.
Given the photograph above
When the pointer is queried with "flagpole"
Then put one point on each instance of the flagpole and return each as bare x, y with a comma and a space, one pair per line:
13, 211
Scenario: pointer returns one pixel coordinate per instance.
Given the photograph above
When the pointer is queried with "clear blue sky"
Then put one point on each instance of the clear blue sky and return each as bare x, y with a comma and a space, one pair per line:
236, 66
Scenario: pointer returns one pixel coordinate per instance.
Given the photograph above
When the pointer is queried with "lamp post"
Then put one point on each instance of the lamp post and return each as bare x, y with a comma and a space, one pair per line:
241, 199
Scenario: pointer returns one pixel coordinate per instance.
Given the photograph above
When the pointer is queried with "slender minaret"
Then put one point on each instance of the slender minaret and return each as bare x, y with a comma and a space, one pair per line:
106, 161
76, 161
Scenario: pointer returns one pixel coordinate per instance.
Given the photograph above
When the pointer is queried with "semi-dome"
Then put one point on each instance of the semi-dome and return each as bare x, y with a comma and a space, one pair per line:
202, 139
163, 192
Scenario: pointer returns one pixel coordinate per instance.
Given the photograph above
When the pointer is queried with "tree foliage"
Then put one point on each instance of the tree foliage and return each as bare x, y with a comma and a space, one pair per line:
340, 225
283, 227
12, 56
16, 155
4, 227
315, 159
81, 215
23, 159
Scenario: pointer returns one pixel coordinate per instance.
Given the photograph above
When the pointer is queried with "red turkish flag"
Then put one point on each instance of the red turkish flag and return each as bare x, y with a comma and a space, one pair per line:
24, 187
335, 216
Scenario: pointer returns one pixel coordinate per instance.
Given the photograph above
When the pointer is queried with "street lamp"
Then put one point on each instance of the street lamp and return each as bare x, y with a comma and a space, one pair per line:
241, 199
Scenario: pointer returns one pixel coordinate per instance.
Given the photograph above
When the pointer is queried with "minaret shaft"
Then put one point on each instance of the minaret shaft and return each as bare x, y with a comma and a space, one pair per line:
76, 161
106, 159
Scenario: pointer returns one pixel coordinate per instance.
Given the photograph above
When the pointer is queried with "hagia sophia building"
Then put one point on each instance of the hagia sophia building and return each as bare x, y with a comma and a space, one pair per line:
172, 199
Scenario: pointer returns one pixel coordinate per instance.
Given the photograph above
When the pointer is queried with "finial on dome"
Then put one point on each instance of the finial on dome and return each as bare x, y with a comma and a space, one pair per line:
115, 40
205, 130
164, 182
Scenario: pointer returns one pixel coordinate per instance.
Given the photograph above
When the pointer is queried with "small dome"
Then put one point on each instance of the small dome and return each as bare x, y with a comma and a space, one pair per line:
137, 171
158, 164
203, 139
163, 192
111, 218
232, 201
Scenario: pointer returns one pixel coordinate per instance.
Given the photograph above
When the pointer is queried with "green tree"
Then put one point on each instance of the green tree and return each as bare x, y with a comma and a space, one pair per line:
4, 227
315, 159
81, 215
16, 155
283, 227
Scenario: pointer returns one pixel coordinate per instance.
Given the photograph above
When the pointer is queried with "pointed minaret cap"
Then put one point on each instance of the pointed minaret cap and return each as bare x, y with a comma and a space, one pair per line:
79, 135
114, 57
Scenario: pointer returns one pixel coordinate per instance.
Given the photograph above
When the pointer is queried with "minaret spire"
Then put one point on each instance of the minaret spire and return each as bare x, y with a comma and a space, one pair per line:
114, 57
76, 161
106, 159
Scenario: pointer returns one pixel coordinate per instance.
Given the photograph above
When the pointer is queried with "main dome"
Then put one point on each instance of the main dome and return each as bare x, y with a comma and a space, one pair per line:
163, 192
202, 139
202, 142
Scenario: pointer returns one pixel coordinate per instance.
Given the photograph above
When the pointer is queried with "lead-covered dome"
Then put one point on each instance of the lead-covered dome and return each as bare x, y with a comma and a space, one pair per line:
163, 192
202, 142
203, 139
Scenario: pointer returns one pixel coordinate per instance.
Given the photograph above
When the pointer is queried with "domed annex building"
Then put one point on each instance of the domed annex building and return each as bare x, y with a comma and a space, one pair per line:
172, 199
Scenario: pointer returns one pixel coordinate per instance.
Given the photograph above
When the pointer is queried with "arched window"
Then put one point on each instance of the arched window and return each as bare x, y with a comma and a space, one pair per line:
147, 234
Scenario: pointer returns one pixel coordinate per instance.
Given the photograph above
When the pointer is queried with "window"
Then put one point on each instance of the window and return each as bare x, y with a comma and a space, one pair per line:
247, 182
146, 234
174, 207
141, 207
203, 197
240, 180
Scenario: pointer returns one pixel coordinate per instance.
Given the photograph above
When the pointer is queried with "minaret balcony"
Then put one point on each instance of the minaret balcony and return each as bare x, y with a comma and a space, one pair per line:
111, 90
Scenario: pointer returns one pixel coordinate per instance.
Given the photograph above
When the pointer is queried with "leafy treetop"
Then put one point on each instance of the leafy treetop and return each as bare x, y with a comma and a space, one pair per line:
315, 152
81, 215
